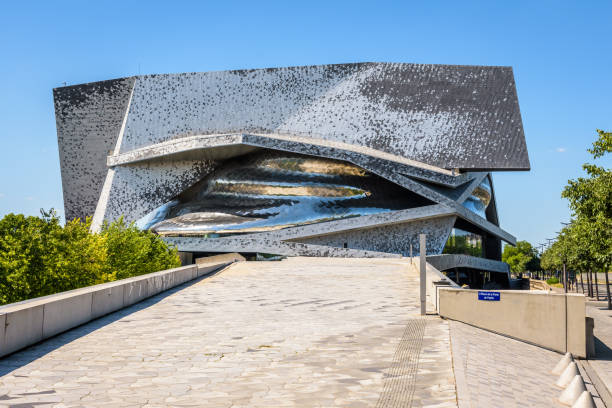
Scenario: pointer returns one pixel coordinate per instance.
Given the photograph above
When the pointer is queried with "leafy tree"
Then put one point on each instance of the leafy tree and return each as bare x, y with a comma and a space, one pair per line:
550, 260
534, 263
520, 256
75, 258
564, 251
21, 247
39, 257
602, 145
590, 199
132, 252
586, 243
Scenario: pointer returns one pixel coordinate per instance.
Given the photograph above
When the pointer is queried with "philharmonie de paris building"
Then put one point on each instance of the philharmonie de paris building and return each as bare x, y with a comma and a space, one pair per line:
346, 160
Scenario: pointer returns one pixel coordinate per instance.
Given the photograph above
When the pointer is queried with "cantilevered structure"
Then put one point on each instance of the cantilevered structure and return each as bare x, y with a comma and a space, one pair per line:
330, 160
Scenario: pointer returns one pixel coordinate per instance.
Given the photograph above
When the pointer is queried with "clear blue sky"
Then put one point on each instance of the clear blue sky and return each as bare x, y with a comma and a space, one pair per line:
561, 53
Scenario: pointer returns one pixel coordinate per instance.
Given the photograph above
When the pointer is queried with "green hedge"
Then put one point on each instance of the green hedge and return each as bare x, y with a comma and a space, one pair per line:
39, 256
552, 281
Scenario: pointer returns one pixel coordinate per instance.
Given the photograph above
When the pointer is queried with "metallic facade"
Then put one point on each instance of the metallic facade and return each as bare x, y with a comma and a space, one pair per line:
336, 160
272, 190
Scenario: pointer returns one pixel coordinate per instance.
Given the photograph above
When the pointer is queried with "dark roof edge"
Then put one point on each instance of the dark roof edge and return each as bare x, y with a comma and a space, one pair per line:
102, 82
288, 67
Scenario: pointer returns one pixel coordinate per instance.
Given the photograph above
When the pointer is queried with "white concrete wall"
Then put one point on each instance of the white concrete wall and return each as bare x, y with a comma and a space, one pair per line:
553, 321
25, 323
433, 275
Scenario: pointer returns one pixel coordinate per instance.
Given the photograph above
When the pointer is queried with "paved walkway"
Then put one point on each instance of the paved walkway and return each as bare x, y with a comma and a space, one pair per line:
306, 332
602, 363
497, 371
301, 332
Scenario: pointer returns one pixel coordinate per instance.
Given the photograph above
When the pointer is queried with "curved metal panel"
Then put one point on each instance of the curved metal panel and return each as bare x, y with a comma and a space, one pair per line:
479, 199
271, 190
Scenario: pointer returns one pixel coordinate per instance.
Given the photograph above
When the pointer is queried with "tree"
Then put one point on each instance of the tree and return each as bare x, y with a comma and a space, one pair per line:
602, 145
567, 250
590, 199
39, 257
520, 256
132, 252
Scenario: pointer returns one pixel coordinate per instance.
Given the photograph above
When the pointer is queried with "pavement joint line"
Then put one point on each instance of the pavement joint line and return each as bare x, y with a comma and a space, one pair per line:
453, 364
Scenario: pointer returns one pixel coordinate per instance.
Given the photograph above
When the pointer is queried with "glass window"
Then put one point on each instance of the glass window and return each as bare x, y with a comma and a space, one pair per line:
463, 243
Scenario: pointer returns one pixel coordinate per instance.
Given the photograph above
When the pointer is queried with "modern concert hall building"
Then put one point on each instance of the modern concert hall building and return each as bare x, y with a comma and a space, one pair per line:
347, 160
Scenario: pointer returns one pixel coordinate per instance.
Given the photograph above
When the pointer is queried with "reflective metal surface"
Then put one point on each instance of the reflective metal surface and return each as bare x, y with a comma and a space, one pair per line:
270, 190
480, 198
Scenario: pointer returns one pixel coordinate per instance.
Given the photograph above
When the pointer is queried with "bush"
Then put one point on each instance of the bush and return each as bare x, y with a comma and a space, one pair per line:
552, 281
39, 257
132, 252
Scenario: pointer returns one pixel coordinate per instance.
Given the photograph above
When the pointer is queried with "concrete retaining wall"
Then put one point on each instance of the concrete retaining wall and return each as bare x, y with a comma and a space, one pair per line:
25, 323
553, 321
436, 280
535, 284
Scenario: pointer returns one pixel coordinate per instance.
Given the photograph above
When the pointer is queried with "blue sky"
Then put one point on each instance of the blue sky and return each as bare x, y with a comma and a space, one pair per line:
561, 53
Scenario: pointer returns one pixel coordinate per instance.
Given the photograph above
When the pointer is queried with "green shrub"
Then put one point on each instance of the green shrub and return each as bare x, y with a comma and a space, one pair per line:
22, 245
132, 252
39, 257
552, 281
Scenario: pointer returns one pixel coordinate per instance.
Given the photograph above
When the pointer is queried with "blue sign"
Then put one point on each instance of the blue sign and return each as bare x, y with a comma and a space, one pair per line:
491, 296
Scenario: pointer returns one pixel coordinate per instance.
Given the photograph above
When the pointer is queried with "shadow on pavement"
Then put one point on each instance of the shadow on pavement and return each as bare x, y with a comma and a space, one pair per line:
25, 356
602, 351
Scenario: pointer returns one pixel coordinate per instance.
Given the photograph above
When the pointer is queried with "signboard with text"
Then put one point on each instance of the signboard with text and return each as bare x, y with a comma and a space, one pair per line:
490, 296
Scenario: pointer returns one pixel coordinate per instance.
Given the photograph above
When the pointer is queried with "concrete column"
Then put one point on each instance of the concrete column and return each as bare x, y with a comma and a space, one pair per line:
186, 258
422, 273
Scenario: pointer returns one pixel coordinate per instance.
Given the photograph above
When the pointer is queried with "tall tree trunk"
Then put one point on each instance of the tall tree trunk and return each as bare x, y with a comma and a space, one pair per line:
608, 289
576, 281
581, 283
596, 287
589, 286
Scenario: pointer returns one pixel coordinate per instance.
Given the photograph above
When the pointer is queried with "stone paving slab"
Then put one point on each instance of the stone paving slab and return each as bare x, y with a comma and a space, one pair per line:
306, 332
602, 363
496, 371
435, 380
